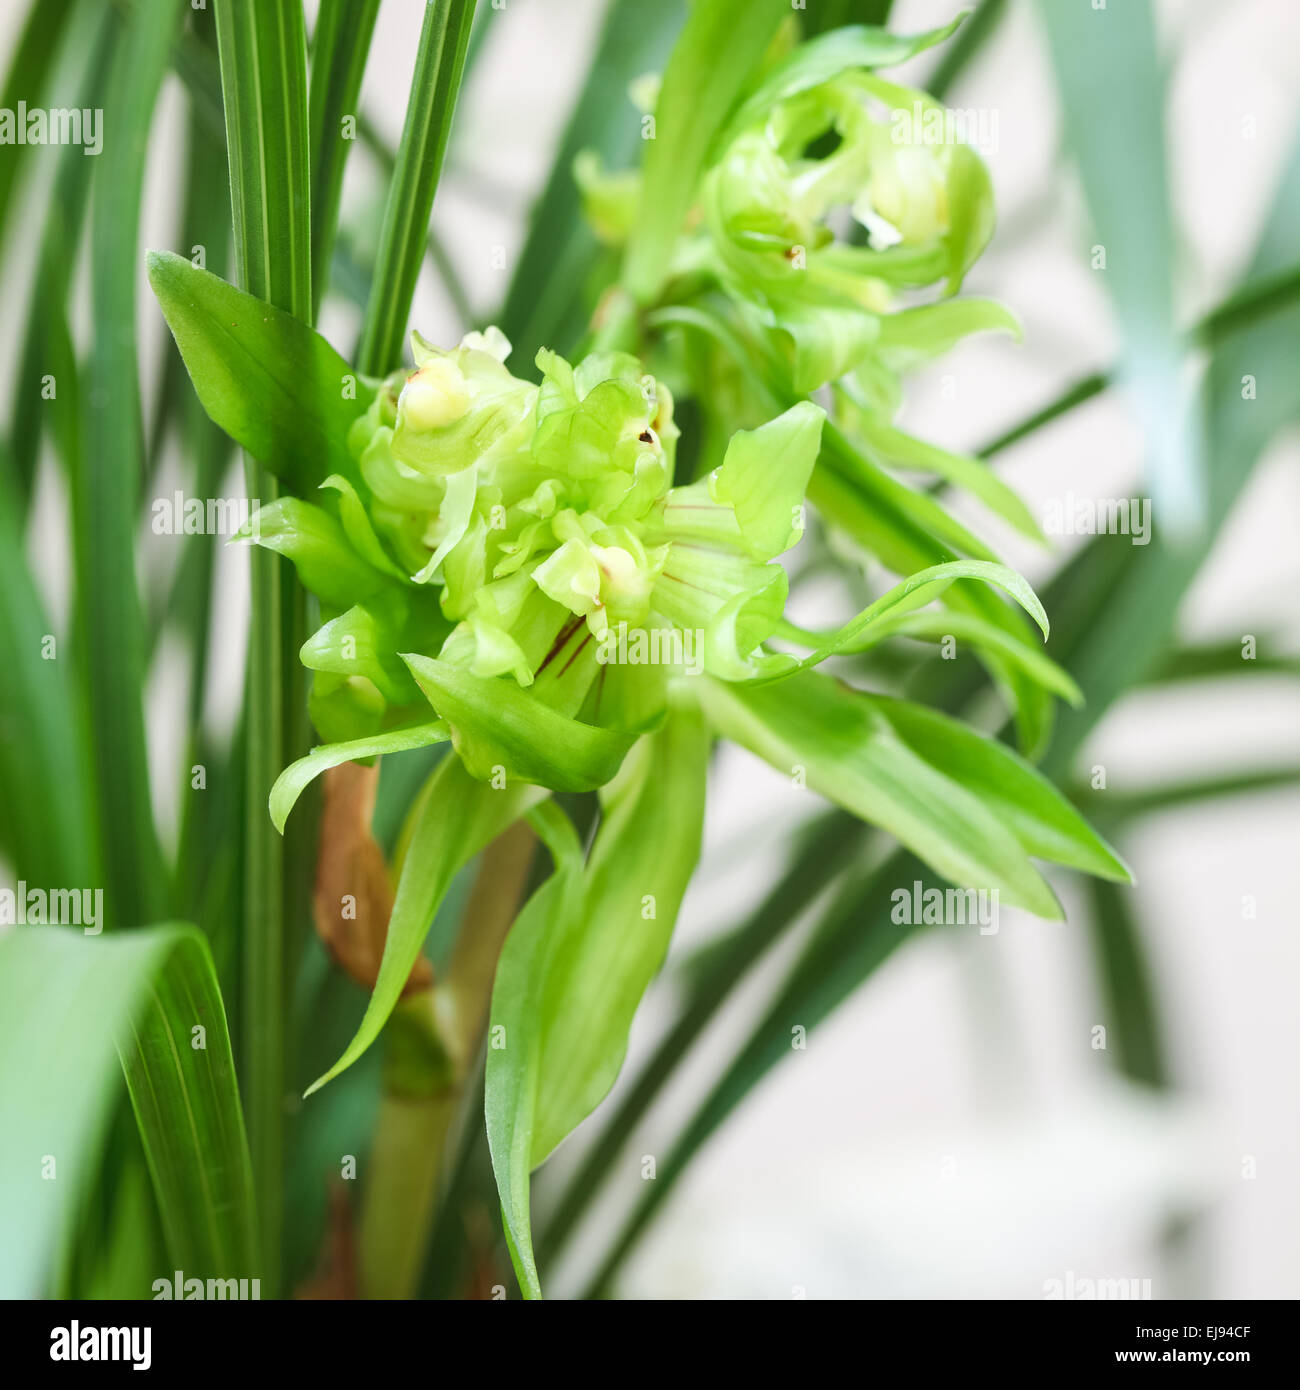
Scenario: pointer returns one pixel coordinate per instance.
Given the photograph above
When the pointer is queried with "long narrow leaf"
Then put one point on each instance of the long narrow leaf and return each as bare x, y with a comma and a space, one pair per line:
31, 63
841, 743
546, 305
711, 62
439, 62
106, 483
263, 56
339, 48
456, 818
47, 818
575, 968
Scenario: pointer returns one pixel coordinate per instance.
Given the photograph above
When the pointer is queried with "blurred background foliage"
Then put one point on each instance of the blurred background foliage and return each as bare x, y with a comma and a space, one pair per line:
98, 746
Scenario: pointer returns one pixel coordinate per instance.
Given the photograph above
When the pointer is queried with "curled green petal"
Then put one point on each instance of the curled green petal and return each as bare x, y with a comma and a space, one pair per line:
914, 592
294, 780
764, 476
316, 543
502, 733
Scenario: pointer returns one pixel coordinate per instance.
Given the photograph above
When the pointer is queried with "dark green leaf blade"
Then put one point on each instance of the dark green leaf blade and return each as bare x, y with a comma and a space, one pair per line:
339, 48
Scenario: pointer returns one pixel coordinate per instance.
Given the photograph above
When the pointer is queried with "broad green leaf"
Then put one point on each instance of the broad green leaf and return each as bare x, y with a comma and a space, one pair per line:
494, 723
74, 998
719, 48
568, 986
291, 782
1045, 823
850, 753
514, 1070
457, 816
439, 62
273, 384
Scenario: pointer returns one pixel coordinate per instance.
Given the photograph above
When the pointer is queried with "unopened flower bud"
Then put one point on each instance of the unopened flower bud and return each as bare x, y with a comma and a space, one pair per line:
434, 396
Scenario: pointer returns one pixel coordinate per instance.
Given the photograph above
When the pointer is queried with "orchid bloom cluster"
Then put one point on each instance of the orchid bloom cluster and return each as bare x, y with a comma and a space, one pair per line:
825, 210
521, 566
533, 533
923, 207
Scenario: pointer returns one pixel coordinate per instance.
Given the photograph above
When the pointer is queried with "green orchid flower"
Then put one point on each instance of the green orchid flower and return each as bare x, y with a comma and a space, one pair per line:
521, 568
523, 553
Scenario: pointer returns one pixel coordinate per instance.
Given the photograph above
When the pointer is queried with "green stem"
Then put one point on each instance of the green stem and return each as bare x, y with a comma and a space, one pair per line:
262, 50
415, 1113
432, 1041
